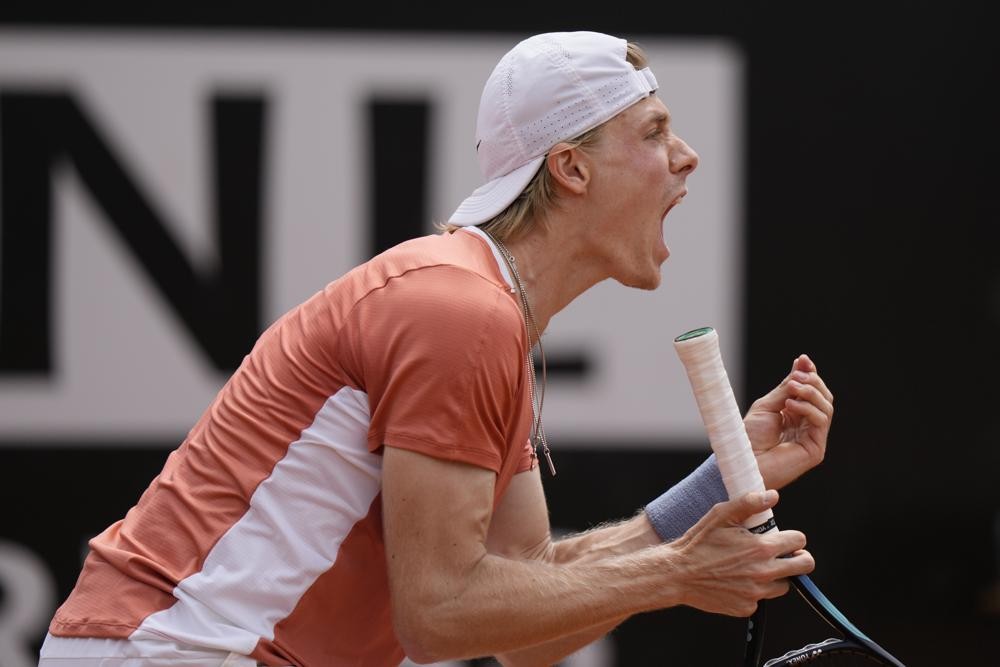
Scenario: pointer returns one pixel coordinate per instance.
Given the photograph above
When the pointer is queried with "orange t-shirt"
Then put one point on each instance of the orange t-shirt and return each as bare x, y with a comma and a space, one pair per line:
262, 535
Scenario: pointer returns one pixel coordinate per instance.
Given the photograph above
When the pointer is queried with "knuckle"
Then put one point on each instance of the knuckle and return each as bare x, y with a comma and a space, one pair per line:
777, 589
762, 551
779, 541
810, 562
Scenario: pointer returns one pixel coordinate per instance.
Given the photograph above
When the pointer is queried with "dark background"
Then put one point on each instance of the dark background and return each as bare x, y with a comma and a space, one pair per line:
871, 229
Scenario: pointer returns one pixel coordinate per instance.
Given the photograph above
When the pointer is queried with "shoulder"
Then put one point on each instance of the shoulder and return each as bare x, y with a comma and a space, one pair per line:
436, 281
437, 254
448, 302
433, 297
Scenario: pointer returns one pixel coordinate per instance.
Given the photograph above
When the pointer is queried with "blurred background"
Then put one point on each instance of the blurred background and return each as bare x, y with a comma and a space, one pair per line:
173, 177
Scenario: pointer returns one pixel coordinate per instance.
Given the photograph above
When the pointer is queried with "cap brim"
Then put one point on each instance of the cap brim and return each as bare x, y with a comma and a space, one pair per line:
493, 197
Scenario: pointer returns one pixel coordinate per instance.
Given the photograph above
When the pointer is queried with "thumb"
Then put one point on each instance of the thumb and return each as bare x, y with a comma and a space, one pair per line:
752, 503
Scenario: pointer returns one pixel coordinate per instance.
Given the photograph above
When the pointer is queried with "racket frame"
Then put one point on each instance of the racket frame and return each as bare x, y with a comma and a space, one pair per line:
852, 639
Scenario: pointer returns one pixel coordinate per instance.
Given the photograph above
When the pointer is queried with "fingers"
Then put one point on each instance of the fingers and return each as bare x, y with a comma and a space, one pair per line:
803, 363
784, 542
735, 512
809, 403
728, 568
799, 562
805, 372
781, 570
774, 581
808, 398
774, 589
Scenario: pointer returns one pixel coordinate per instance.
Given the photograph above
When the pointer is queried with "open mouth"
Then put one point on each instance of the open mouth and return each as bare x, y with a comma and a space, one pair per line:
672, 204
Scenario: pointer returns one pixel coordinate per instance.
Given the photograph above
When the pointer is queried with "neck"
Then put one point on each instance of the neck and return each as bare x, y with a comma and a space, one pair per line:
553, 272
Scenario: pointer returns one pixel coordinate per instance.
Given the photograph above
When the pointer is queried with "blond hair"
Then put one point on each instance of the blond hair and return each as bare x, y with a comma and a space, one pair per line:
539, 196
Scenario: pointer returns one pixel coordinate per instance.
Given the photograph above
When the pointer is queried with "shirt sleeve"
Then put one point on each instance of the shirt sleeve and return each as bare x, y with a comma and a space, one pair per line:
440, 351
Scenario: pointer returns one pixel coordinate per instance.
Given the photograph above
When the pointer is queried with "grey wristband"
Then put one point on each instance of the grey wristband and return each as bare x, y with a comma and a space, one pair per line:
687, 501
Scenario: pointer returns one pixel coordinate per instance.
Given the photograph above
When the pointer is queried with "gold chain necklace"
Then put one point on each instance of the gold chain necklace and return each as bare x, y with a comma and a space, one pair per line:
538, 433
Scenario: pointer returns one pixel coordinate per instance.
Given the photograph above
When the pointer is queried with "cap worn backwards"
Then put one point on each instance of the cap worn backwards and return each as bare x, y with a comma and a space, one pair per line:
549, 88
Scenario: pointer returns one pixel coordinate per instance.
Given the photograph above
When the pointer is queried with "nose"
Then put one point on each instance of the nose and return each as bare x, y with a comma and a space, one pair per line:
683, 159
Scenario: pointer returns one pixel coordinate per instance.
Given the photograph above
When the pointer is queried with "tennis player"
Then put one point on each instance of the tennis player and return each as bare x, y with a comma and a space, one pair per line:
367, 484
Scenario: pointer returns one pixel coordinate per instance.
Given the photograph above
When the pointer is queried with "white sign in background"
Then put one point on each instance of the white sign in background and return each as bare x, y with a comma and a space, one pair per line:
126, 370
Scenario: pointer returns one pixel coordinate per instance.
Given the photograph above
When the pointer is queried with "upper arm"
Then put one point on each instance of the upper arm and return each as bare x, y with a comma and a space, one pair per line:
438, 522
435, 516
520, 524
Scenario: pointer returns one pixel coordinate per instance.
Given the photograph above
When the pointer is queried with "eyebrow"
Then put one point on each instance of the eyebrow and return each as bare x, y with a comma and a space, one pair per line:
660, 117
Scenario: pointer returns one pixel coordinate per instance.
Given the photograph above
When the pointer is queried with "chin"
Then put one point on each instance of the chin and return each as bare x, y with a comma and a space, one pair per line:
645, 281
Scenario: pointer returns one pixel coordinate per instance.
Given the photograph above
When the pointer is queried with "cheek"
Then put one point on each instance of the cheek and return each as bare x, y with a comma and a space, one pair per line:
649, 170
614, 188
636, 181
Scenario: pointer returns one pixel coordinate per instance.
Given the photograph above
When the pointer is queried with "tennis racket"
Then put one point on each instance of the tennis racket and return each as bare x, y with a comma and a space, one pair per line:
698, 350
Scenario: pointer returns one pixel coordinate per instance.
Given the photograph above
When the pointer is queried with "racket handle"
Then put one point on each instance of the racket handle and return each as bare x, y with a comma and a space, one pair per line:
699, 352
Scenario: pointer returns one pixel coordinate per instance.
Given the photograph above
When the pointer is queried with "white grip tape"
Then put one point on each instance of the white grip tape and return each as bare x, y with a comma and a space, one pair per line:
719, 411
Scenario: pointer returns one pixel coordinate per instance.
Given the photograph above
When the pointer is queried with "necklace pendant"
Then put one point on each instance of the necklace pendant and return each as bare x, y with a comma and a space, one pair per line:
548, 459
547, 454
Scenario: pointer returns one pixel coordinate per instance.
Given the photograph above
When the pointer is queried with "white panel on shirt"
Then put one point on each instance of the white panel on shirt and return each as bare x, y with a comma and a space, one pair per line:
257, 572
501, 262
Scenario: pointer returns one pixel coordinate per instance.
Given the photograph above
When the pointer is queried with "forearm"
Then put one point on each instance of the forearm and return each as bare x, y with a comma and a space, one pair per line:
674, 512
504, 605
605, 541
611, 540
552, 652
467, 580
588, 547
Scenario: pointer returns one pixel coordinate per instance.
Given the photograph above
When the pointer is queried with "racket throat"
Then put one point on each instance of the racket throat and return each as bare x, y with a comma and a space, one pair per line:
754, 648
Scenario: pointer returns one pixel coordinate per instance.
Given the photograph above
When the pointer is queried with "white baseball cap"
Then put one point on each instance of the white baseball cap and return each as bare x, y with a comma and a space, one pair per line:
549, 88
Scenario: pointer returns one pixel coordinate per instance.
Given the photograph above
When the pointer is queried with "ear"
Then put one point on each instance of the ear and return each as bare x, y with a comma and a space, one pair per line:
569, 167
